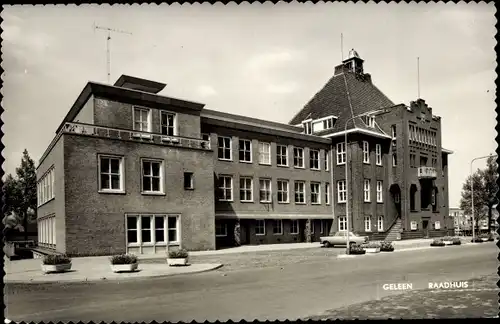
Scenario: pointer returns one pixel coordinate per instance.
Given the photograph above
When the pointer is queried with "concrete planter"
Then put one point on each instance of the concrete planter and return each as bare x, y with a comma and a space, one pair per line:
372, 250
124, 267
448, 242
484, 239
55, 268
177, 261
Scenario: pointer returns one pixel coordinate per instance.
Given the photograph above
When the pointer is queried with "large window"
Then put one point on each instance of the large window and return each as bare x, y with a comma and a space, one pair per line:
142, 119
300, 192
260, 227
111, 177
220, 229
278, 227
152, 229
245, 150
264, 153
47, 231
366, 152
341, 191
327, 193
366, 187
294, 226
225, 148
298, 157
225, 188
315, 193
327, 161
152, 176
45, 187
342, 221
341, 153
368, 224
246, 189
283, 191
379, 192
380, 223
265, 190
282, 155
168, 124
314, 159
378, 154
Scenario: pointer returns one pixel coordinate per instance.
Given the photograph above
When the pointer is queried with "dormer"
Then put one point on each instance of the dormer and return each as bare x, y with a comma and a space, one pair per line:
313, 126
369, 121
134, 83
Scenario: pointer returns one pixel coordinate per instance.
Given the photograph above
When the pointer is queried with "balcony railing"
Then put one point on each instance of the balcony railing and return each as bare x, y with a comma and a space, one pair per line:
132, 135
427, 173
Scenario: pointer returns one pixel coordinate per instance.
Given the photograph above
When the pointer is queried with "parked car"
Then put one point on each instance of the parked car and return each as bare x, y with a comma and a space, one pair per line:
340, 239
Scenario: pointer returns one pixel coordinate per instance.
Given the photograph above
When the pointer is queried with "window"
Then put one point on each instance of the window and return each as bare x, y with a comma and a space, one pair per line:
224, 148
314, 159
152, 230
413, 225
260, 227
168, 124
394, 160
341, 153
188, 180
47, 231
282, 155
245, 150
45, 187
152, 174
437, 225
278, 227
327, 193
246, 189
366, 152
142, 119
225, 188
393, 132
265, 190
308, 127
295, 227
378, 154
315, 193
379, 192
366, 190
300, 192
220, 229
328, 123
413, 160
264, 153
298, 157
380, 223
341, 191
110, 173
368, 224
342, 220
283, 191
327, 161
311, 224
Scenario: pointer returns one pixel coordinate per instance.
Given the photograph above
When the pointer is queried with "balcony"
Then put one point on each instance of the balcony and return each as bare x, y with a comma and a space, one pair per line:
427, 172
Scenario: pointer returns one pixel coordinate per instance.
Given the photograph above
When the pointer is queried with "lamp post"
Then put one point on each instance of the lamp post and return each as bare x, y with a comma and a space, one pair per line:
368, 113
472, 192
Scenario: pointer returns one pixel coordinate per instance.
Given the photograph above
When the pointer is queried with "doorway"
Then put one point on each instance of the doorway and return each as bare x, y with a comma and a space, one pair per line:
425, 227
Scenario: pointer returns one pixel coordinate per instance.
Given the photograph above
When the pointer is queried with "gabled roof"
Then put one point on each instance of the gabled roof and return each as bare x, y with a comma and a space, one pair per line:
345, 95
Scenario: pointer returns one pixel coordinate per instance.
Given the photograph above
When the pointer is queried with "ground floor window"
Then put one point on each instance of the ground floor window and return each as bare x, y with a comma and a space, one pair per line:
47, 231
311, 225
380, 223
148, 229
220, 229
278, 227
295, 227
260, 227
368, 224
342, 220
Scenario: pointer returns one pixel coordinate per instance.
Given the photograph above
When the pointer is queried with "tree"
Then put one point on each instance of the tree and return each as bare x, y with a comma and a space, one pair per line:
490, 175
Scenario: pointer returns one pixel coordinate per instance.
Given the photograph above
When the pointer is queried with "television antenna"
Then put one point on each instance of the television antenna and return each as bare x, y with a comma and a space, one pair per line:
108, 44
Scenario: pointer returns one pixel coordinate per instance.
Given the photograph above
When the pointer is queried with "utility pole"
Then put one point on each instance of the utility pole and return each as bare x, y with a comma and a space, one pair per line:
108, 44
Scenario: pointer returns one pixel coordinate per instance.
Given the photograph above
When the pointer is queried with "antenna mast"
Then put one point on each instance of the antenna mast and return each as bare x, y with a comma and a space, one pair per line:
418, 76
108, 45
342, 46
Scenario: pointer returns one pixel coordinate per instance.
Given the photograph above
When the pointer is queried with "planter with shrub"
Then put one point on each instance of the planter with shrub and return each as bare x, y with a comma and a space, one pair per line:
438, 242
371, 247
456, 241
178, 258
386, 246
124, 263
447, 240
477, 240
54, 263
356, 249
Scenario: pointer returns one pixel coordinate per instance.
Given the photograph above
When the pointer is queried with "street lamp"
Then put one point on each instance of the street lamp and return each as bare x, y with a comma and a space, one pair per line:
368, 113
472, 192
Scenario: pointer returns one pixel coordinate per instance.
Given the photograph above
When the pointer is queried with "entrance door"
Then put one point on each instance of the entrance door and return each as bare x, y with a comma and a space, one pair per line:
425, 227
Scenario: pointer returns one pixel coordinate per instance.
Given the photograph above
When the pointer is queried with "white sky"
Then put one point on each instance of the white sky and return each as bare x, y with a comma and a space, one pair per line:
259, 60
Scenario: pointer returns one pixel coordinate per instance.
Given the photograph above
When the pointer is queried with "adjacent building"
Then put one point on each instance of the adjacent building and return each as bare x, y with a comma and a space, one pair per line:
133, 171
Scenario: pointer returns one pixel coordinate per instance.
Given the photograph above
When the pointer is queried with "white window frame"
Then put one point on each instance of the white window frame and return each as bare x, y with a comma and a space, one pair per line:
315, 185
378, 154
279, 155
258, 226
380, 193
263, 154
393, 131
244, 150
167, 126
247, 190
342, 223
437, 225
341, 153
148, 121
224, 148
322, 226
298, 157
166, 230
297, 185
394, 160
327, 193
366, 190
280, 222
327, 161
219, 226
413, 225
380, 223
121, 173
314, 159
283, 188
308, 127
341, 191
292, 227
311, 226
265, 186
46, 187
161, 176
368, 224
191, 180
366, 152
223, 188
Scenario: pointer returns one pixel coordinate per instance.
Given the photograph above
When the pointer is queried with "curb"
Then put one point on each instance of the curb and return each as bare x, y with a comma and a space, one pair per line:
104, 279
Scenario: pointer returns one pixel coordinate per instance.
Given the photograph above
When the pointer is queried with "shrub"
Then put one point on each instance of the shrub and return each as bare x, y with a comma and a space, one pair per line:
386, 246
55, 259
447, 238
123, 259
456, 241
356, 249
477, 240
437, 242
179, 254
371, 245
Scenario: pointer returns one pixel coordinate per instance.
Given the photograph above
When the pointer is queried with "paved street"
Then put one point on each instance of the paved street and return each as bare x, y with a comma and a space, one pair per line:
280, 290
